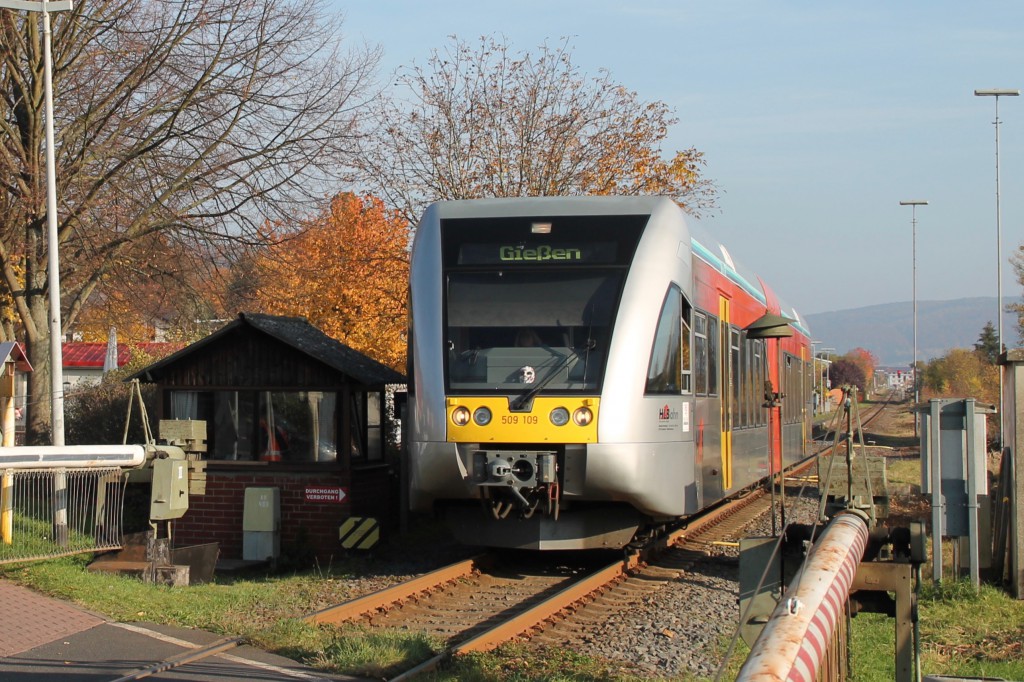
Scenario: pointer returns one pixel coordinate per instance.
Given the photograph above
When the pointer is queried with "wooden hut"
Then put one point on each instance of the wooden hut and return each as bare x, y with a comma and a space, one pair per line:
287, 409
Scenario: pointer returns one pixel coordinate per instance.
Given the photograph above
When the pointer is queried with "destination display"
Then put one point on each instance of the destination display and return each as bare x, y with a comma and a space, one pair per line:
525, 253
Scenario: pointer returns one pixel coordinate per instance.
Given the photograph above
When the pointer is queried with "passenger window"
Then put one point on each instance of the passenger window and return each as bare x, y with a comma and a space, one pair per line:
664, 370
713, 341
737, 378
685, 338
669, 369
700, 353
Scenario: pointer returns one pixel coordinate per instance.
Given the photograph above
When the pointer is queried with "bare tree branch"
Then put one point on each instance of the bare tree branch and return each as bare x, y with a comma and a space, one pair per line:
180, 123
480, 121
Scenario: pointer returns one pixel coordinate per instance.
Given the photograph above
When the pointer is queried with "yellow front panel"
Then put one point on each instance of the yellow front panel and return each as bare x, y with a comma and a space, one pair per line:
534, 426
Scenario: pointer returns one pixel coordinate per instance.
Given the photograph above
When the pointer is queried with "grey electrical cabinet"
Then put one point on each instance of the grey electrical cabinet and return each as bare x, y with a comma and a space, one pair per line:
261, 524
959, 449
169, 496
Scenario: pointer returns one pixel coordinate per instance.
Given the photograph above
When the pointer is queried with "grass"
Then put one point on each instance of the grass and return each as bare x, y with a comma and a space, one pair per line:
517, 663
33, 537
963, 633
266, 609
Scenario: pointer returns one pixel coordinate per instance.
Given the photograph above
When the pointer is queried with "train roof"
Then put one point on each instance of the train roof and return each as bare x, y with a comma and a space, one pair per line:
714, 253
527, 206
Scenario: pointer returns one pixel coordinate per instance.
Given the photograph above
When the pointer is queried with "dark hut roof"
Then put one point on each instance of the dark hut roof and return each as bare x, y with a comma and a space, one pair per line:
298, 333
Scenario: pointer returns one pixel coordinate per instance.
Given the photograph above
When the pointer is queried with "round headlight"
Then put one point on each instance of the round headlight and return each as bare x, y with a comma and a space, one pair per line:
482, 416
582, 416
559, 416
460, 416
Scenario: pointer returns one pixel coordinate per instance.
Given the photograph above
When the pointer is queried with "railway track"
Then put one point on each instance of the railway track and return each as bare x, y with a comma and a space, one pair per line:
478, 604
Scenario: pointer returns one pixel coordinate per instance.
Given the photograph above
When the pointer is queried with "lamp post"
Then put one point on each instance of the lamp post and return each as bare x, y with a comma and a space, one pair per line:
53, 266
997, 93
826, 354
913, 204
773, 326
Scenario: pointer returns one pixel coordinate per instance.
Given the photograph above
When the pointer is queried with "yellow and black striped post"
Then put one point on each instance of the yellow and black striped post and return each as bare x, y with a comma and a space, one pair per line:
359, 533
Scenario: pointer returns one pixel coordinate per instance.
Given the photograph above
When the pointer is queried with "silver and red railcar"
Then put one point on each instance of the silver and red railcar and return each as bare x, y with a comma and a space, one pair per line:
580, 370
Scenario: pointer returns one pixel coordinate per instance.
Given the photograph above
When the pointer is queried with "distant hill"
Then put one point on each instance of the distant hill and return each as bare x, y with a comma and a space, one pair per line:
887, 330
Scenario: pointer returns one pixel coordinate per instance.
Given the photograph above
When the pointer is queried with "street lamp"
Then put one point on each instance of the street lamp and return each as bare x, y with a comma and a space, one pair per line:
997, 93
56, 353
825, 354
914, 203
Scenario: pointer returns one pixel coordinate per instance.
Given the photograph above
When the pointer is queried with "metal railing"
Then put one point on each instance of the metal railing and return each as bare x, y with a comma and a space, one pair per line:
46, 513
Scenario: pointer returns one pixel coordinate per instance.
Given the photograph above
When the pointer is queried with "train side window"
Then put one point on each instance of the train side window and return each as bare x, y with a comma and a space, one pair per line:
756, 383
737, 376
713, 347
685, 372
665, 368
790, 389
759, 373
749, 412
700, 353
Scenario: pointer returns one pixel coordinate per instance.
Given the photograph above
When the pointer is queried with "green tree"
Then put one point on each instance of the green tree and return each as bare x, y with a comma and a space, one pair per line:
988, 344
1017, 259
483, 121
96, 413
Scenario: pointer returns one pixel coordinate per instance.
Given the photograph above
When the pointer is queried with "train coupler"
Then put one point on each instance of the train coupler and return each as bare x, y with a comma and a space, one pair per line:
517, 479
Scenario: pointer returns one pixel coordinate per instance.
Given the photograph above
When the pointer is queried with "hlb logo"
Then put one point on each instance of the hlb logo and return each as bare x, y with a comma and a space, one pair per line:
666, 413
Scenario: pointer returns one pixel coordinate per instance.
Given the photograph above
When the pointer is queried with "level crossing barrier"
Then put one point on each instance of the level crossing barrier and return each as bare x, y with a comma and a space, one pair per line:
795, 641
58, 501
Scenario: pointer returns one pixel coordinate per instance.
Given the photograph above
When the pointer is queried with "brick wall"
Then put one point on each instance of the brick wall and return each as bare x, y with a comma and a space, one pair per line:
307, 527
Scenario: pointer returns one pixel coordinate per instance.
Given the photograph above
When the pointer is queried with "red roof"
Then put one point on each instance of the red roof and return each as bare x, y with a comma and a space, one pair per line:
80, 354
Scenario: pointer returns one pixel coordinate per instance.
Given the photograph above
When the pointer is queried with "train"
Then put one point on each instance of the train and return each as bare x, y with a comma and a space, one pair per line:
586, 370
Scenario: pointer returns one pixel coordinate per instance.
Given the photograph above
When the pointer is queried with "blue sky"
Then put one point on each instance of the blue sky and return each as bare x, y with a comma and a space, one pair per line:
816, 118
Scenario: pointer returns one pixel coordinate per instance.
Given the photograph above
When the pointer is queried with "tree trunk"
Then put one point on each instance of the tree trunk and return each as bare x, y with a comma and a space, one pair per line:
37, 347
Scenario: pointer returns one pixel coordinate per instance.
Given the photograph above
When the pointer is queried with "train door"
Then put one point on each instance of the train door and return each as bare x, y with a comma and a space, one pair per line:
727, 392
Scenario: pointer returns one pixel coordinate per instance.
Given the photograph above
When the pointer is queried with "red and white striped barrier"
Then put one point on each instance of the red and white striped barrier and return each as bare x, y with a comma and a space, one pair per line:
795, 640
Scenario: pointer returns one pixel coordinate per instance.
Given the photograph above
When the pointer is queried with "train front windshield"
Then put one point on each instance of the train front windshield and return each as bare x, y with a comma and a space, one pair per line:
509, 330
527, 311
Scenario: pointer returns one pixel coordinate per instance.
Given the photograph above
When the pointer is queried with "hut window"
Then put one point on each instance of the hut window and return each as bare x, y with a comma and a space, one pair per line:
269, 426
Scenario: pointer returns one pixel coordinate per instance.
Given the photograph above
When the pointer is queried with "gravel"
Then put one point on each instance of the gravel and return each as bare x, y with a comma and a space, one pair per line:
682, 628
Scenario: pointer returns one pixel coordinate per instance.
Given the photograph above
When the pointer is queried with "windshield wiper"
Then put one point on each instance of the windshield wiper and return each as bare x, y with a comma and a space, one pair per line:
524, 399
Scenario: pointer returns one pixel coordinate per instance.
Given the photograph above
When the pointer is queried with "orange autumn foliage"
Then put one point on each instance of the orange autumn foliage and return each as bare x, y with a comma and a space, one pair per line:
346, 271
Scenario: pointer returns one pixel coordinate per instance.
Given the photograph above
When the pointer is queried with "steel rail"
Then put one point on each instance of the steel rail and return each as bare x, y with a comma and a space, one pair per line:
217, 647
540, 612
389, 595
527, 619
